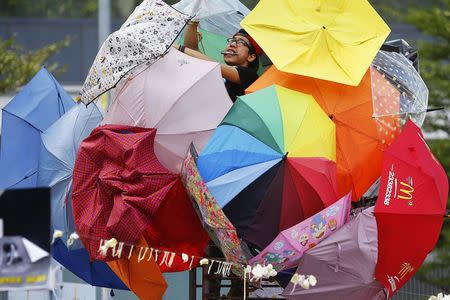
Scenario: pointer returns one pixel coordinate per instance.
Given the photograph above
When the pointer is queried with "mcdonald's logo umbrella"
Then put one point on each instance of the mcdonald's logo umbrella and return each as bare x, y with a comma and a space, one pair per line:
121, 191
359, 145
410, 207
270, 164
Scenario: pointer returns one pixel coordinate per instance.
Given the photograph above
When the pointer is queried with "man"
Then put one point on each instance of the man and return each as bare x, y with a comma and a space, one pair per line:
241, 57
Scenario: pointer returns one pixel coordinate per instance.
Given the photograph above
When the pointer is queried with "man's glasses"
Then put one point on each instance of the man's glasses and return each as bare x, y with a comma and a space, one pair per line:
239, 42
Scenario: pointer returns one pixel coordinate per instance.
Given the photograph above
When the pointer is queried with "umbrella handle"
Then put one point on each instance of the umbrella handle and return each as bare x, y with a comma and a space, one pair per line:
336, 268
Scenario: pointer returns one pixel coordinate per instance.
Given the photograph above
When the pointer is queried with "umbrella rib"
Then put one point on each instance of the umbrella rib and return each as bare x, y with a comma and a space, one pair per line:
11, 186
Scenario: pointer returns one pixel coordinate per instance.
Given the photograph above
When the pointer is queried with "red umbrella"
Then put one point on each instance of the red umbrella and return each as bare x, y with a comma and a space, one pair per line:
410, 207
121, 191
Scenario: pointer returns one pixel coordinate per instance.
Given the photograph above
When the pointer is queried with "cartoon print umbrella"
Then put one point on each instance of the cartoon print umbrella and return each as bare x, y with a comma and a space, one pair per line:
287, 248
359, 145
142, 276
398, 92
344, 262
329, 40
410, 207
270, 164
37, 106
60, 143
219, 228
187, 110
146, 35
121, 191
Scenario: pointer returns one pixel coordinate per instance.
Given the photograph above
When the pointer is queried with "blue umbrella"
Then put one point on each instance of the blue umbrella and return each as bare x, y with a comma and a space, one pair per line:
60, 143
38, 105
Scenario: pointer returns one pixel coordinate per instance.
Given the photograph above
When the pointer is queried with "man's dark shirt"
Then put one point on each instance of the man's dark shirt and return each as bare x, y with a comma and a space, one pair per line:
247, 76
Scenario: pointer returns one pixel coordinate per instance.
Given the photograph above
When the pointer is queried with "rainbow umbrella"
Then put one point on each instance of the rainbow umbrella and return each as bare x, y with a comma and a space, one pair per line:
270, 163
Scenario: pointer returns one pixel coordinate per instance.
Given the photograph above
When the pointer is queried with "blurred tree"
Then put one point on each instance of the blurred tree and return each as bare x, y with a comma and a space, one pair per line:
437, 270
17, 66
435, 55
433, 21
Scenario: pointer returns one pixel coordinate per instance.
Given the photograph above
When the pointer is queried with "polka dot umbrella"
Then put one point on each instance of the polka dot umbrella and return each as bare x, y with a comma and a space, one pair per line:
398, 94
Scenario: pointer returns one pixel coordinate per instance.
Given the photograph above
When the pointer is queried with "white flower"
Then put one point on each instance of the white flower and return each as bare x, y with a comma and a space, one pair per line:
312, 280
57, 234
204, 261
258, 272
271, 272
440, 296
304, 283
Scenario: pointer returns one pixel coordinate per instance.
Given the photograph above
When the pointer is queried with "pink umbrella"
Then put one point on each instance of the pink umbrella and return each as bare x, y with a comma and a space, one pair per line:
288, 247
183, 97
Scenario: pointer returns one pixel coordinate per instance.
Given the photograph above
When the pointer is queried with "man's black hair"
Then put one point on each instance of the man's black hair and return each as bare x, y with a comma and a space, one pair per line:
251, 50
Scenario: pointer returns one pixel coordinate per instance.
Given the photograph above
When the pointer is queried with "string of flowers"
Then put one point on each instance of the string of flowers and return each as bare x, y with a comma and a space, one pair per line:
440, 296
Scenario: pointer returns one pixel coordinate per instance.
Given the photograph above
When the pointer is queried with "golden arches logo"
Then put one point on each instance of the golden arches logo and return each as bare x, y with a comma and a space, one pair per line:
406, 192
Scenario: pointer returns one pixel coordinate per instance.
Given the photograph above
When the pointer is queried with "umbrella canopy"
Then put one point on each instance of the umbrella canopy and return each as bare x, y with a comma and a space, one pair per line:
121, 191
330, 40
60, 143
201, 9
219, 20
359, 146
143, 277
344, 264
270, 164
37, 106
398, 92
219, 228
287, 248
145, 36
410, 208
118, 185
188, 111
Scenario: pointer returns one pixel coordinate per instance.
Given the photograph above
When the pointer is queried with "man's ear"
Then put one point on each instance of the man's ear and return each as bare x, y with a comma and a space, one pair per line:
251, 58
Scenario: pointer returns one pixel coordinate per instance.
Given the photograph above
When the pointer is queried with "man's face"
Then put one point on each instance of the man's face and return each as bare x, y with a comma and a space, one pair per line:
239, 47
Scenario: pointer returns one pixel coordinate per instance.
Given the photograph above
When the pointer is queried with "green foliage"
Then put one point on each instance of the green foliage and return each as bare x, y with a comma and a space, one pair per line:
17, 66
434, 56
437, 272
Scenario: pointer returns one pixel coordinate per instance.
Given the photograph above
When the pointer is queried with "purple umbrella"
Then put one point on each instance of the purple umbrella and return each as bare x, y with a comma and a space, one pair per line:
344, 264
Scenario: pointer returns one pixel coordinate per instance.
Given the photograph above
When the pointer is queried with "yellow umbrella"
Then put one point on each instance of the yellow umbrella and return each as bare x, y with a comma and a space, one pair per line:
334, 40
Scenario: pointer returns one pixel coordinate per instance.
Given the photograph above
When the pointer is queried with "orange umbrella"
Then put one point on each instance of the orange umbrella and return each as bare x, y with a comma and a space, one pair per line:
142, 277
359, 146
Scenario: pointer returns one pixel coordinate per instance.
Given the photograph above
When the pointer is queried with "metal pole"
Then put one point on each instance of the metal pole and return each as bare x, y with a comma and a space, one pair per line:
104, 29
104, 20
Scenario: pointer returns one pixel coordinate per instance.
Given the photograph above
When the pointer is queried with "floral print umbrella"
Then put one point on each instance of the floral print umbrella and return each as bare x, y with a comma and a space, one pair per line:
219, 228
146, 35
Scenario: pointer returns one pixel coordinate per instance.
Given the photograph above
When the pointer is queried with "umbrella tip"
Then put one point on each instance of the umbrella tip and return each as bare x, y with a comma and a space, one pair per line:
285, 155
